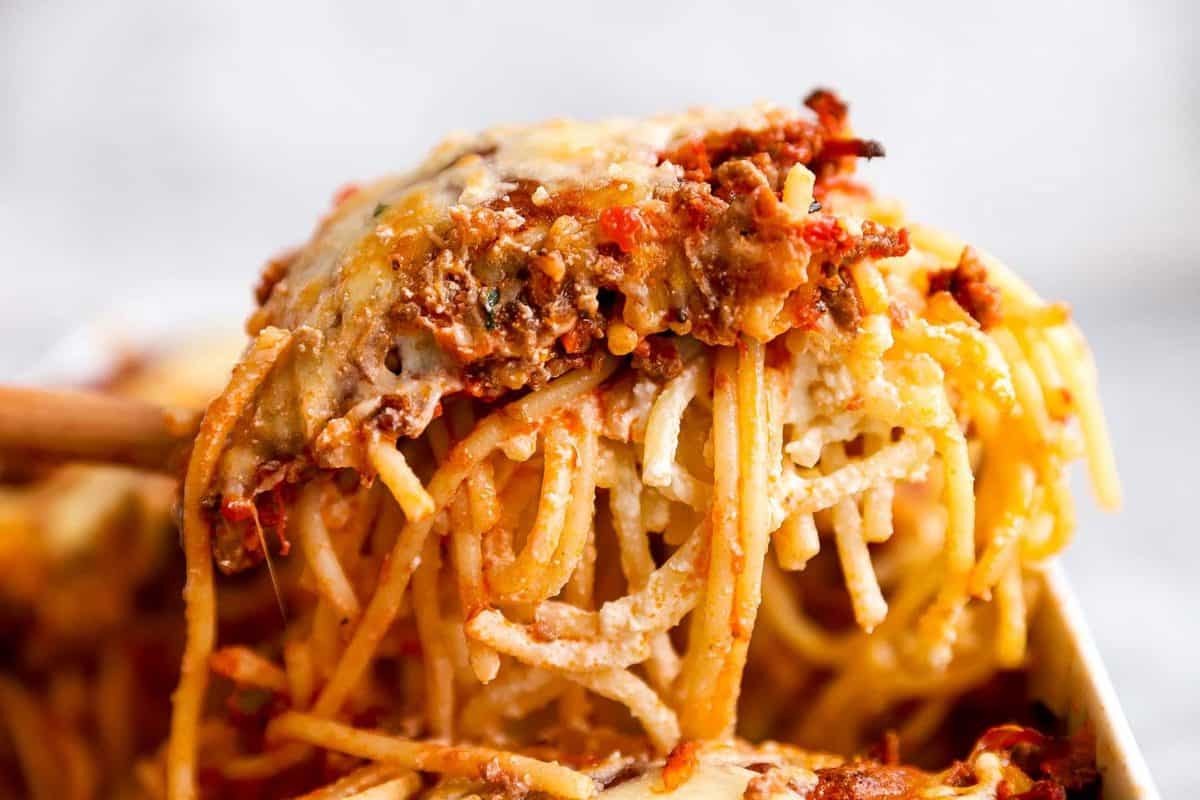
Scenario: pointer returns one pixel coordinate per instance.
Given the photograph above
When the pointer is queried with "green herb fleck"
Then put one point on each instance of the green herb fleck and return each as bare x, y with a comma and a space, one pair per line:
491, 299
379, 209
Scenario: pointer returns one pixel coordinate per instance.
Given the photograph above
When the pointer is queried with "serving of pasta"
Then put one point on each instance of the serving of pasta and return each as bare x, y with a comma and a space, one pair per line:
644, 457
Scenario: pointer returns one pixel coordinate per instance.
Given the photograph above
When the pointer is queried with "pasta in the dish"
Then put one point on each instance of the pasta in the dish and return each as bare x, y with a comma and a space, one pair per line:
590, 445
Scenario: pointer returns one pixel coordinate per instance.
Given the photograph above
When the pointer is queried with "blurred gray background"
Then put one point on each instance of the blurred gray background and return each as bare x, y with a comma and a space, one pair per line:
152, 155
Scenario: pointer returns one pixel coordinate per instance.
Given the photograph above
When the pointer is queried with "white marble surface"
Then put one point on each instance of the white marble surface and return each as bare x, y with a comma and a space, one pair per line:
153, 154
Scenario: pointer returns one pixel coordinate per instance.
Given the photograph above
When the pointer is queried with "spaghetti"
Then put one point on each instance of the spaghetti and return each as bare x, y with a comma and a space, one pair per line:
633, 391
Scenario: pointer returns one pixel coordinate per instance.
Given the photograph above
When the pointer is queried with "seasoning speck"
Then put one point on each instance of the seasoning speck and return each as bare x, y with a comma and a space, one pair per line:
491, 299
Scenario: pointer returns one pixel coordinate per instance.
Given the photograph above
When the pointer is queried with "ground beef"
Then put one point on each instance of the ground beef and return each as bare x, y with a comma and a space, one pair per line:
865, 781
967, 283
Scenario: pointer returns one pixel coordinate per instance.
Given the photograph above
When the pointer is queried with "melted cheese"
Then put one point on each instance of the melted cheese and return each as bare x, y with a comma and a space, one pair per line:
721, 774
471, 171
707, 782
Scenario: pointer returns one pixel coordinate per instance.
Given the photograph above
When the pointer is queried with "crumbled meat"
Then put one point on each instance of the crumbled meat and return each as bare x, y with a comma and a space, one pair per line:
1070, 761
830, 109
862, 780
839, 296
515, 284
967, 283
657, 357
242, 526
853, 148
